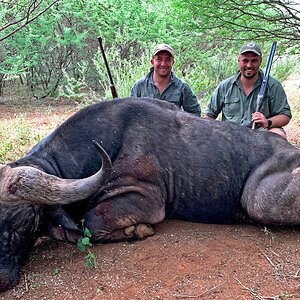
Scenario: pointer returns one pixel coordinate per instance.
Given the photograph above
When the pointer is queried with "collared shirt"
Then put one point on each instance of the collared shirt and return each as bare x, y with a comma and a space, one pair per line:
177, 91
230, 99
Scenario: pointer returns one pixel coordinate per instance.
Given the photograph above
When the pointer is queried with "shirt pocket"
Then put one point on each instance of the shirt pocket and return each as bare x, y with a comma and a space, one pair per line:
232, 107
173, 97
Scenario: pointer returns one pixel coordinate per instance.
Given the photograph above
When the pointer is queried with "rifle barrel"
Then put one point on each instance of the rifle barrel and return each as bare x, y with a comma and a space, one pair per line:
112, 86
264, 83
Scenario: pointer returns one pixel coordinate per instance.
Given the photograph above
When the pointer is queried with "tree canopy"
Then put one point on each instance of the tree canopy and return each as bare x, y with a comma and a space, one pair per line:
52, 44
259, 20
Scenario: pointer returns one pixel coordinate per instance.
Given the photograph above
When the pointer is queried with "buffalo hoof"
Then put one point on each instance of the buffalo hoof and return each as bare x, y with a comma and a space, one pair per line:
130, 233
140, 231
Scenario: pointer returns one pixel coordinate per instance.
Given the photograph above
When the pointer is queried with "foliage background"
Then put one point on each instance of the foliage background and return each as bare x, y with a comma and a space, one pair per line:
50, 47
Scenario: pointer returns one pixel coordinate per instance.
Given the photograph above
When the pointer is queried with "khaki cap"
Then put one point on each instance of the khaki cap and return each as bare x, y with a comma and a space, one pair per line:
163, 47
251, 47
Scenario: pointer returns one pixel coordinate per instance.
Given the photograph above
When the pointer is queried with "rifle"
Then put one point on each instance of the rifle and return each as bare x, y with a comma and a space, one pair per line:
264, 83
112, 86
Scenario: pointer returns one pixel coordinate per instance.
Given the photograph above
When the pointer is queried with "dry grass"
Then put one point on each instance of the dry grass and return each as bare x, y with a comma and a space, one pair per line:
292, 88
23, 125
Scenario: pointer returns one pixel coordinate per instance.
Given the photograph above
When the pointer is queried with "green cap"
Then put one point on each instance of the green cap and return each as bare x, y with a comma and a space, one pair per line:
251, 47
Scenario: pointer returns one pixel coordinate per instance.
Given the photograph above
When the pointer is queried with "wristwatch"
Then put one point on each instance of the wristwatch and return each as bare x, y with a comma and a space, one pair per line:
269, 123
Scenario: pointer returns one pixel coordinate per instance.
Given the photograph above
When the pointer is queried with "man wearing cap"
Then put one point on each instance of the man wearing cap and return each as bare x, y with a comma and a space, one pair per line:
161, 83
236, 96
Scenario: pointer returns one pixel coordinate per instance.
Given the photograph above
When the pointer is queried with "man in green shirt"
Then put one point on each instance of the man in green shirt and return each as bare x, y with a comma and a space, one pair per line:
161, 83
236, 96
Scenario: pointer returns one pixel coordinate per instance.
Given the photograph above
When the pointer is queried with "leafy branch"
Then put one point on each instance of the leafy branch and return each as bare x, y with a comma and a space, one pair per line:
26, 19
84, 245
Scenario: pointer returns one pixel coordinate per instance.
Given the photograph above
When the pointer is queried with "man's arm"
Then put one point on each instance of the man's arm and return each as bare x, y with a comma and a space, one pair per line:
280, 120
190, 102
277, 121
134, 91
279, 111
214, 106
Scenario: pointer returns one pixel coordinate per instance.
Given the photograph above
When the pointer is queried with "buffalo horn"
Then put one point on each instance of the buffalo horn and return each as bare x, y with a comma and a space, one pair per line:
30, 185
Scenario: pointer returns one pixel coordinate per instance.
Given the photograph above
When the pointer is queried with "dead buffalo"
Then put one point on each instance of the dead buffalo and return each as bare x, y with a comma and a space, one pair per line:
165, 164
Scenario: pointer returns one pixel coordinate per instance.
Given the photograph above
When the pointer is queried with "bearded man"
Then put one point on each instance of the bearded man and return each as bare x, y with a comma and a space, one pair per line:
235, 97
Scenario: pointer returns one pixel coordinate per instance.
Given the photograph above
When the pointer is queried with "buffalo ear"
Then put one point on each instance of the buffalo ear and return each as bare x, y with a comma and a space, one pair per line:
61, 226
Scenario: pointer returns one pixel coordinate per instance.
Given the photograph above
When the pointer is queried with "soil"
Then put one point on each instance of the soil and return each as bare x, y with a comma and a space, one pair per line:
183, 260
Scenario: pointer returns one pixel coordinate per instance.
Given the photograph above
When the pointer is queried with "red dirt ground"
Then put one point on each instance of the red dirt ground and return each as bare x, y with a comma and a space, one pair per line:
181, 261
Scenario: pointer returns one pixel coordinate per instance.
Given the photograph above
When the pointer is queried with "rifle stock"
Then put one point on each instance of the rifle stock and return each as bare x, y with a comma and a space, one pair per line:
112, 86
265, 80
113, 91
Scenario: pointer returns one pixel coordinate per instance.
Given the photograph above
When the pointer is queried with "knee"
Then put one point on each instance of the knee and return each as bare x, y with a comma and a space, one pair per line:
278, 130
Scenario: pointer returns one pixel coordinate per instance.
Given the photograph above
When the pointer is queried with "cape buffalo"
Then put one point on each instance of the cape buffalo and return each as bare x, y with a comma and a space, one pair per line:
166, 163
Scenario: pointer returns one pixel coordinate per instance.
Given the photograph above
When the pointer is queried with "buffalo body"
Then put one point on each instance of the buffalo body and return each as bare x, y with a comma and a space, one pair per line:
166, 163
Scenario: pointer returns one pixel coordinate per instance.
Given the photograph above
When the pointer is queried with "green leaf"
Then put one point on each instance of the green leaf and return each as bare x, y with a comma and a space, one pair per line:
87, 233
80, 246
86, 241
90, 260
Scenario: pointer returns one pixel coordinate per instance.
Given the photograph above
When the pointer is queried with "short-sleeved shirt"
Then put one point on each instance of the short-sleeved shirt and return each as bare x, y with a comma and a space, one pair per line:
230, 99
177, 91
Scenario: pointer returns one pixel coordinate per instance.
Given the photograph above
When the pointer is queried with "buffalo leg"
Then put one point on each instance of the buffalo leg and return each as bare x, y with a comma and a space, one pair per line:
272, 196
125, 217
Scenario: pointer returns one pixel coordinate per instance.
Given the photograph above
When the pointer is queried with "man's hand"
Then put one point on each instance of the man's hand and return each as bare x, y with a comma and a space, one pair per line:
208, 117
259, 118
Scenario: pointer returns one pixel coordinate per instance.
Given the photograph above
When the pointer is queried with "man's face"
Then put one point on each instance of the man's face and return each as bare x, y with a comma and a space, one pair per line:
162, 63
249, 64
